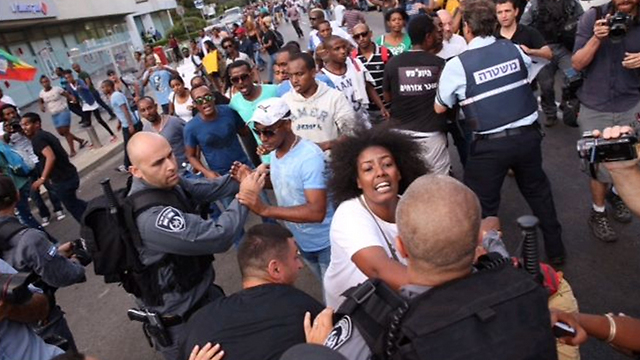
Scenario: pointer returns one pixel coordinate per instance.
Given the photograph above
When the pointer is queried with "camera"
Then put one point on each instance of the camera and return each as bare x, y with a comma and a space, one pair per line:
597, 150
81, 252
618, 26
15, 288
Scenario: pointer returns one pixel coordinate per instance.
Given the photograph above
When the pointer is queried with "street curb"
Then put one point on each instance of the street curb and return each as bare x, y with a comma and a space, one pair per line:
101, 160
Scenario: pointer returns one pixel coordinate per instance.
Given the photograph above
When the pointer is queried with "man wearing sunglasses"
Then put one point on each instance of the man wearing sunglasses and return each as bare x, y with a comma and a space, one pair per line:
214, 131
374, 57
297, 174
231, 48
247, 97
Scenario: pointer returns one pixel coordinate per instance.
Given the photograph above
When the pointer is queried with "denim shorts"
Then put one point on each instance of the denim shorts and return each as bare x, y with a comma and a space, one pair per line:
62, 119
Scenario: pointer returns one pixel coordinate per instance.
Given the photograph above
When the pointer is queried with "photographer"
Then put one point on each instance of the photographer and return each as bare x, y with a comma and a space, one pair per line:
17, 340
610, 94
30, 250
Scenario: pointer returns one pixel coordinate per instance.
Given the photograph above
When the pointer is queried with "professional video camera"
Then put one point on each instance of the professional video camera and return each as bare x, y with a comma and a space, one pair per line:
14, 288
597, 150
618, 25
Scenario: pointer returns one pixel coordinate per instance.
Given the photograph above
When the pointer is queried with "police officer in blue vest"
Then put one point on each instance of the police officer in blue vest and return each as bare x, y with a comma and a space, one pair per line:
490, 82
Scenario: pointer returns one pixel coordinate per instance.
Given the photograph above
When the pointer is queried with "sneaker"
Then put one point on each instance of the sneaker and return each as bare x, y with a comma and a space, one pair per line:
122, 169
45, 221
621, 212
600, 227
60, 215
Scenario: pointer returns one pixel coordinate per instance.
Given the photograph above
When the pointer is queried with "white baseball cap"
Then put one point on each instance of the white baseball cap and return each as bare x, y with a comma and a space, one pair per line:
270, 111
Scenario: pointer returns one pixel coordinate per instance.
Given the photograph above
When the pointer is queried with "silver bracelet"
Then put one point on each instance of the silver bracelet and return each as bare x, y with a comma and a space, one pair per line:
612, 328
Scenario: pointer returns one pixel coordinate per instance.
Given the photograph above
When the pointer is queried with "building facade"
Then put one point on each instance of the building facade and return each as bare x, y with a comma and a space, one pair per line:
94, 33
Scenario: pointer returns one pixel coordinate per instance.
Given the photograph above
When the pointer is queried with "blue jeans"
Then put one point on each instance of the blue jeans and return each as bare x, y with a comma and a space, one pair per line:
272, 61
317, 261
24, 211
66, 191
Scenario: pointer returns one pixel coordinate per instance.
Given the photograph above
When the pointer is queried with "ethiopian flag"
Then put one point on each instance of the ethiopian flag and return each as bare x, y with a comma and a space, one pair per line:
12, 68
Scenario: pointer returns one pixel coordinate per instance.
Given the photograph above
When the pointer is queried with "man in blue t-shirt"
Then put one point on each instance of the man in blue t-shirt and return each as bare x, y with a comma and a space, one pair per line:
416, 7
214, 130
298, 175
160, 78
129, 122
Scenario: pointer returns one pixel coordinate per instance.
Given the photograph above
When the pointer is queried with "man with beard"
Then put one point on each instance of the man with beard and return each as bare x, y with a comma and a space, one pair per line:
247, 98
170, 127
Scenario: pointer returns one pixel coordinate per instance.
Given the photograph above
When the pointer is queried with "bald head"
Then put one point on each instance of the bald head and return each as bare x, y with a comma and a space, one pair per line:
438, 221
152, 160
360, 28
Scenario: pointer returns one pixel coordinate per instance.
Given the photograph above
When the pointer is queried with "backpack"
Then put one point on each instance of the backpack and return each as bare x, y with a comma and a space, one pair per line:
113, 239
468, 318
19, 164
279, 38
384, 54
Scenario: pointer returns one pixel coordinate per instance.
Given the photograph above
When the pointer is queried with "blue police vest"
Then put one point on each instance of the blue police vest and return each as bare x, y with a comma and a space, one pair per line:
498, 92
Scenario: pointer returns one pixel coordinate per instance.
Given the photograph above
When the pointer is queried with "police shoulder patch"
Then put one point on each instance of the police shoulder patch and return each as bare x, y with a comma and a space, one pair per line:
171, 219
340, 333
51, 253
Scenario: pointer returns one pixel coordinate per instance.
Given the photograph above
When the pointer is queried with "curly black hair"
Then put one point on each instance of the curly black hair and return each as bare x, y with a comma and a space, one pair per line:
344, 157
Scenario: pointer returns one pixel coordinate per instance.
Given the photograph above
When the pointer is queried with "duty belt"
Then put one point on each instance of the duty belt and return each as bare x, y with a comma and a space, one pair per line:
508, 132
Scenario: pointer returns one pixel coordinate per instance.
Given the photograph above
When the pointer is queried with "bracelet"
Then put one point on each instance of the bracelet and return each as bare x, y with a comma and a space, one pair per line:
612, 328
43, 179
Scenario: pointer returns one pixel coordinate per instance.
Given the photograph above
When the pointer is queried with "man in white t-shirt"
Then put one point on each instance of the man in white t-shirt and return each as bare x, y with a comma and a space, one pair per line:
338, 12
351, 78
452, 44
319, 113
316, 16
230, 46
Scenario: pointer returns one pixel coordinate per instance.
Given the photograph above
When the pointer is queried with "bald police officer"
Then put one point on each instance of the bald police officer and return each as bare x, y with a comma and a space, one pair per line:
177, 244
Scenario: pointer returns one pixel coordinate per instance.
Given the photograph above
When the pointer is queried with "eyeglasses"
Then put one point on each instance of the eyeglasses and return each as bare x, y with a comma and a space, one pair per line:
203, 99
241, 78
360, 35
229, 46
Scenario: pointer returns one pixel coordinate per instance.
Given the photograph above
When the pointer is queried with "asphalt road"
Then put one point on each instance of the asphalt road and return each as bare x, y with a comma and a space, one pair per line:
603, 276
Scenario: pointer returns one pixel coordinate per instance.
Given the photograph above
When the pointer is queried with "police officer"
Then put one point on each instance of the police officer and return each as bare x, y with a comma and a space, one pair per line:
31, 250
556, 20
176, 244
492, 75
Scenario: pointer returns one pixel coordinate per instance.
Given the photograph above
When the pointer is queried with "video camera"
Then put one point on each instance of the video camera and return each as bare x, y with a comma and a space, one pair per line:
597, 150
618, 26
14, 288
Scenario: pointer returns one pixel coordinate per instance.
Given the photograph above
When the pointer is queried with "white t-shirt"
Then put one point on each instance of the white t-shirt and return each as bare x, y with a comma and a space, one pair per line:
352, 230
54, 100
242, 56
183, 111
7, 100
454, 47
338, 12
353, 86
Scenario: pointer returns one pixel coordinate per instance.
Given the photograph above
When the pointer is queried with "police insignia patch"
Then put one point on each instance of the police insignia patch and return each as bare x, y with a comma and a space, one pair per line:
340, 334
171, 220
52, 252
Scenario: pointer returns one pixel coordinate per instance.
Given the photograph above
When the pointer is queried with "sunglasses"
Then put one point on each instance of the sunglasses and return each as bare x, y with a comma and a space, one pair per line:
227, 46
360, 35
269, 132
313, 19
241, 78
203, 99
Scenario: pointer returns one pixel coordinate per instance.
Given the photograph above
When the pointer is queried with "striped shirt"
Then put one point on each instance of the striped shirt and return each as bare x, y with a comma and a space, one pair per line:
375, 65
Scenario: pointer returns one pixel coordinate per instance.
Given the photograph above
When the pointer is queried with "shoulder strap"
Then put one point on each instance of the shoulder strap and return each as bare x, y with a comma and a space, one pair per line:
392, 250
146, 199
8, 229
370, 305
